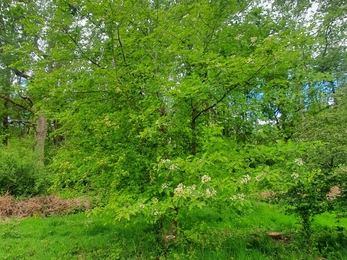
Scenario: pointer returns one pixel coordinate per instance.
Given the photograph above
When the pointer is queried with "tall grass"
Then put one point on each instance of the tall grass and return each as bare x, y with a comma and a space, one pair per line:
214, 235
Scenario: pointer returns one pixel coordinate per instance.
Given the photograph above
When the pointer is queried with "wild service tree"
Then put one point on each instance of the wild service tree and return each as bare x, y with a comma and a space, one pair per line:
162, 105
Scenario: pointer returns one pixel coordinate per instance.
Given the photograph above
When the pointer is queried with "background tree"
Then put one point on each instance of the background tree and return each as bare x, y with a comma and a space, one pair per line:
16, 105
21, 49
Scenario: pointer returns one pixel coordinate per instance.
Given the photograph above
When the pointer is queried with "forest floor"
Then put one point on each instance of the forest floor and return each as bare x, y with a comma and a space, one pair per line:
54, 228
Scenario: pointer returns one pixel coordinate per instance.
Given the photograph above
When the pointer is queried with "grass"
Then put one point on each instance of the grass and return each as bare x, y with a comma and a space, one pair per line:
208, 234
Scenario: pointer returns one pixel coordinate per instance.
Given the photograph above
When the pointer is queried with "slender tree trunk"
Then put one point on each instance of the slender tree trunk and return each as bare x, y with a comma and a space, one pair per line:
5, 124
301, 105
193, 129
171, 233
41, 132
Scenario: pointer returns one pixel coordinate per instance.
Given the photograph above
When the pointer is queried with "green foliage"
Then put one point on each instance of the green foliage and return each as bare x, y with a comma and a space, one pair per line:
21, 174
323, 168
303, 189
306, 199
339, 198
159, 108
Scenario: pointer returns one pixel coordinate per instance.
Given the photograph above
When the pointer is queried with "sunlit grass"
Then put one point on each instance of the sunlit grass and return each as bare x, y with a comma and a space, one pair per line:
210, 233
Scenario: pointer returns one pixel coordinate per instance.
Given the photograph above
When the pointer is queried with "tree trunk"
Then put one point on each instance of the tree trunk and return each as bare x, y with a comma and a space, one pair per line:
193, 129
41, 132
5, 124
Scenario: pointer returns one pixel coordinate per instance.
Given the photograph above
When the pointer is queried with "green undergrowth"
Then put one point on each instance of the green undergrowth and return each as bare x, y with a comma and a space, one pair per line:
211, 233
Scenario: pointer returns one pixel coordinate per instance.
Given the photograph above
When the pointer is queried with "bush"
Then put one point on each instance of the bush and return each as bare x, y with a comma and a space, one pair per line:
21, 173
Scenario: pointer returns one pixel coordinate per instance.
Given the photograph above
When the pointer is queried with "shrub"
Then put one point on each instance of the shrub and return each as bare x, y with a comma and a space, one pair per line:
21, 173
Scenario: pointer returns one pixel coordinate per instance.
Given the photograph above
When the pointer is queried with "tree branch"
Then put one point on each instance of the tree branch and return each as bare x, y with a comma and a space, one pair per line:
22, 121
19, 73
26, 98
121, 46
216, 103
82, 52
4, 97
227, 93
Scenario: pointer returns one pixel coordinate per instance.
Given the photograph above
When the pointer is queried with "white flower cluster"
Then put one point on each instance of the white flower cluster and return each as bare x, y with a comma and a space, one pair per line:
210, 193
142, 206
182, 190
190, 189
246, 178
295, 175
173, 167
163, 161
179, 189
299, 162
205, 179
240, 196
164, 186
168, 163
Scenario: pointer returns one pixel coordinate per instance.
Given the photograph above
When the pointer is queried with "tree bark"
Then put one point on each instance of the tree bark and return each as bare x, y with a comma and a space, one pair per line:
193, 129
5, 124
41, 132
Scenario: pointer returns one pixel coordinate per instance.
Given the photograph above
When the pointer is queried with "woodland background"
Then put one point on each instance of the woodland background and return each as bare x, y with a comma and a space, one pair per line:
155, 108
